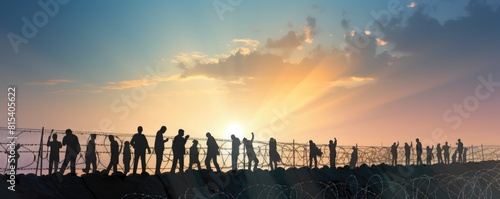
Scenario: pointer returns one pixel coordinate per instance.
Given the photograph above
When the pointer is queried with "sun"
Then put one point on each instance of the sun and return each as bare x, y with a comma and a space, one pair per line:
235, 129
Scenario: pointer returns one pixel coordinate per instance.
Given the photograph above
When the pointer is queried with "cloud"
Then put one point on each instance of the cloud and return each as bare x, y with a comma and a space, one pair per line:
352, 82
51, 82
247, 42
74, 91
293, 39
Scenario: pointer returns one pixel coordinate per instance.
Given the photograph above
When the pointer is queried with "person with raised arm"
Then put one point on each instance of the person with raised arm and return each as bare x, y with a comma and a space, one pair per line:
252, 157
430, 155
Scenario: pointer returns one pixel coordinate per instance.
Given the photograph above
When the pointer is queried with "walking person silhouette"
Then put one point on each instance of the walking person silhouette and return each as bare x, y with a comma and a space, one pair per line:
90, 155
408, 152
235, 152
354, 157
126, 157
430, 155
314, 152
72, 150
159, 148
439, 153
193, 155
54, 145
212, 152
333, 152
179, 149
140, 144
460, 149
419, 152
252, 157
113, 161
446, 153
274, 156
394, 151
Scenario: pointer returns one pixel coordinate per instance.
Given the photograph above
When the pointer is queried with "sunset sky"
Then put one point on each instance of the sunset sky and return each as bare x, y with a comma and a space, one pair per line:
366, 72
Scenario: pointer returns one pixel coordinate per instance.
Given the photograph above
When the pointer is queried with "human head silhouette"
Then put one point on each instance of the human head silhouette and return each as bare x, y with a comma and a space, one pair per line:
163, 129
181, 132
331, 141
139, 129
69, 132
446, 143
417, 140
126, 143
208, 134
111, 138
54, 136
310, 141
232, 136
245, 140
195, 142
459, 140
92, 136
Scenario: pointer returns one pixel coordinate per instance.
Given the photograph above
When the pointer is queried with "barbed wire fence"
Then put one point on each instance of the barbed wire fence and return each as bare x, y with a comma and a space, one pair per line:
292, 154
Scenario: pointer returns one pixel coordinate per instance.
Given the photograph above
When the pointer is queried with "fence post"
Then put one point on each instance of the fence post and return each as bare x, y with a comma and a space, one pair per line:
39, 160
472, 147
482, 152
293, 152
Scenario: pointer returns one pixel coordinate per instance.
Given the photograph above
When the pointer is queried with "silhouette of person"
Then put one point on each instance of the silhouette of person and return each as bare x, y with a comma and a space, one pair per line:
235, 152
212, 152
419, 152
126, 157
446, 153
113, 161
464, 160
408, 152
439, 153
460, 149
354, 157
54, 153
90, 155
193, 155
72, 150
333, 152
179, 149
140, 144
394, 151
454, 157
252, 156
159, 148
274, 156
314, 152
430, 155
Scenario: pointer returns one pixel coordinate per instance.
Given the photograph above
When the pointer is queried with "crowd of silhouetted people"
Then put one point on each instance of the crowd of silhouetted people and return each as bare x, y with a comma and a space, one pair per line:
140, 145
